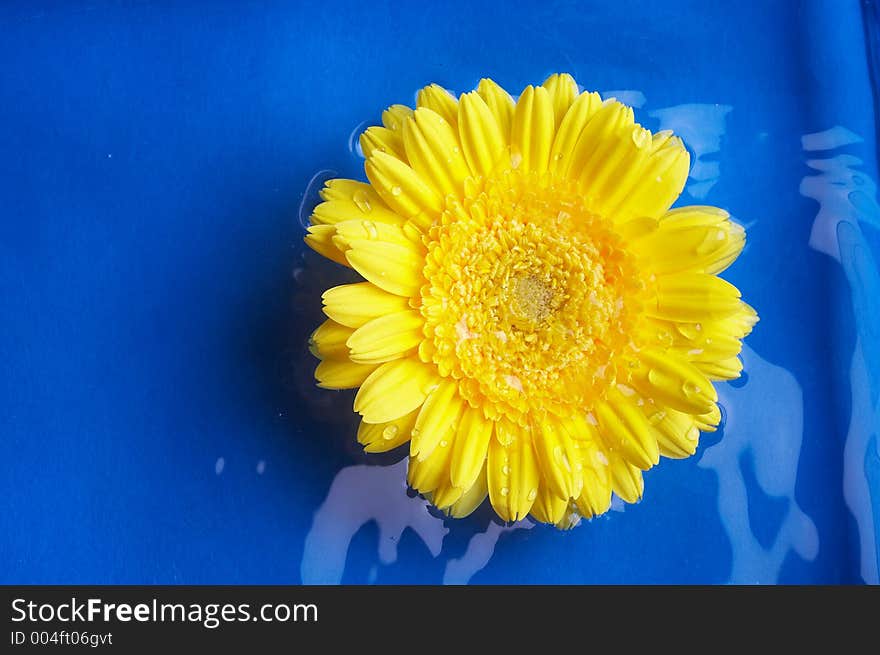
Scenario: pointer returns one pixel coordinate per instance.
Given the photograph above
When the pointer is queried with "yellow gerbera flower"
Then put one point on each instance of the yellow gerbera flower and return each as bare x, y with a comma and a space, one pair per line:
535, 321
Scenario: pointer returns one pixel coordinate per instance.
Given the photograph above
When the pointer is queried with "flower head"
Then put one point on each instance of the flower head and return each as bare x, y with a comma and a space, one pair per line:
535, 321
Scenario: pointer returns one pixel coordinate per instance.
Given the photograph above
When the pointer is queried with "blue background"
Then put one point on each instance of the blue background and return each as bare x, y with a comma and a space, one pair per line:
158, 421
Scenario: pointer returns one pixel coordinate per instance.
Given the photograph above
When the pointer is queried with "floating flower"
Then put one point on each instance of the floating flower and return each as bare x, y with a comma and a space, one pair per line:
535, 321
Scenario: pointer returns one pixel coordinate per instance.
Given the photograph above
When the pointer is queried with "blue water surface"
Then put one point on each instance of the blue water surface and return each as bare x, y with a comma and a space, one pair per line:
158, 418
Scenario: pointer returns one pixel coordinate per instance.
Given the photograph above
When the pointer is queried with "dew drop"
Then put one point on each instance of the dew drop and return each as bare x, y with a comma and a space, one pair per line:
690, 390
396, 190
455, 150
504, 491
601, 457
533, 494
515, 159
390, 432
626, 390
370, 227
657, 417
361, 200
664, 338
443, 443
640, 137
558, 156
591, 419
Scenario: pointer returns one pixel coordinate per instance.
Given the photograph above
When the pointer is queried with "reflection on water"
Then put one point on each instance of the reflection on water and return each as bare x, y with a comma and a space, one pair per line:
701, 126
755, 427
479, 551
847, 200
362, 494
310, 197
627, 96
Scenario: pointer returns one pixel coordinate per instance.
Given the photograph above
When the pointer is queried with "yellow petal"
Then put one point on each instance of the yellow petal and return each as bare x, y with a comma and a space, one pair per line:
320, 239
471, 446
532, 130
482, 140
401, 187
622, 168
384, 140
694, 297
677, 435
438, 99
694, 216
350, 190
386, 337
512, 472
445, 495
670, 380
563, 90
500, 104
472, 497
382, 437
390, 266
707, 248
394, 389
438, 421
393, 117
626, 479
581, 111
333, 212
721, 369
709, 421
358, 229
626, 430
354, 305
661, 180
335, 374
426, 475
548, 507
434, 152
603, 134
328, 341
595, 498
558, 459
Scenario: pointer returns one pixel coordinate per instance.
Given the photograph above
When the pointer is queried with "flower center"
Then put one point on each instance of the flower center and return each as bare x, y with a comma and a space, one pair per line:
530, 297
533, 300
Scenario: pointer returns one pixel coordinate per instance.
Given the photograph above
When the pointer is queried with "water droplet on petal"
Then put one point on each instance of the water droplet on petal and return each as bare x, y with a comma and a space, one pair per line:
533, 494
515, 159
657, 417
504, 491
361, 200
370, 227
390, 431
690, 390
396, 190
